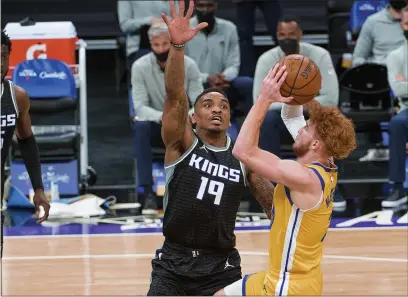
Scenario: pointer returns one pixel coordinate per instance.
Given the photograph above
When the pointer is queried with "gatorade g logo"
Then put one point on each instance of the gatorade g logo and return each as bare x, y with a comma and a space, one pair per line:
37, 51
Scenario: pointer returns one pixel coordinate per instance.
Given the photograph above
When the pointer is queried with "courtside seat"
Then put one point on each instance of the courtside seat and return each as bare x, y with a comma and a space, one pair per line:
51, 88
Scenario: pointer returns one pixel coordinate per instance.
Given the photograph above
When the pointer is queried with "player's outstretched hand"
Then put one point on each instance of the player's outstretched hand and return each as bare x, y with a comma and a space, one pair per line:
41, 200
270, 90
179, 26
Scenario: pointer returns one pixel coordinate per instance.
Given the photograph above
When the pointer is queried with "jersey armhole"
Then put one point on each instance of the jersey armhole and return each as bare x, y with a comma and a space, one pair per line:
322, 195
183, 156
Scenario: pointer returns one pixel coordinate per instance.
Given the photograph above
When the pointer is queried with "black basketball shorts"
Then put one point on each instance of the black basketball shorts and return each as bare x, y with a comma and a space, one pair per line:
183, 271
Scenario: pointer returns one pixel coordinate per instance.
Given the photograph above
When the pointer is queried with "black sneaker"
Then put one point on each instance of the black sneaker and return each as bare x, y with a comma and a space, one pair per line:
395, 198
339, 203
150, 205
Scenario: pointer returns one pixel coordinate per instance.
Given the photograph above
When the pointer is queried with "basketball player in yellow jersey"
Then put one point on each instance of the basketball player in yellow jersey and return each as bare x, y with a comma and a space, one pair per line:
302, 200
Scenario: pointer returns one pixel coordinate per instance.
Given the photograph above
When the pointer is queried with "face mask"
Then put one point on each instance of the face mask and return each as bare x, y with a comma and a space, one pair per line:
289, 46
406, 34
208, 17
398, 4
162, 57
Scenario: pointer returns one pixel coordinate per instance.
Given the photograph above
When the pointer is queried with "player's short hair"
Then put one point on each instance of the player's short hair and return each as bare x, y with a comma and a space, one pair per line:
5, 40
289, 19
333, 128
157, 30
210, 90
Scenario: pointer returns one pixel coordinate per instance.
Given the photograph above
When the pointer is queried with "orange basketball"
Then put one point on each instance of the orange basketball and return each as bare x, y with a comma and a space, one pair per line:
304, 80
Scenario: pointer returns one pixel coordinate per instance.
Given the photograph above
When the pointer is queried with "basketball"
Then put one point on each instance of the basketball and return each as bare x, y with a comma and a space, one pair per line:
304, 80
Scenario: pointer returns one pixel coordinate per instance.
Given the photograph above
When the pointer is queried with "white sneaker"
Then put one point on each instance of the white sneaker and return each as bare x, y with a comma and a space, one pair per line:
376, 155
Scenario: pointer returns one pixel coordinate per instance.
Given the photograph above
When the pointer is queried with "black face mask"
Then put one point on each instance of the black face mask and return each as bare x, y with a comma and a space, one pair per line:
406, 34
289, 46
162, 57
208, 17
397, 5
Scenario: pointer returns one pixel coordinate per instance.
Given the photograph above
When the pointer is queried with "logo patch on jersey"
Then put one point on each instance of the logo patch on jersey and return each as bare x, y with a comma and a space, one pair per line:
221, 171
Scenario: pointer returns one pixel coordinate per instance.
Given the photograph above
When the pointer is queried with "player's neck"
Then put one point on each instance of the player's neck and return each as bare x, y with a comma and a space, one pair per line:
212, 138
310, 158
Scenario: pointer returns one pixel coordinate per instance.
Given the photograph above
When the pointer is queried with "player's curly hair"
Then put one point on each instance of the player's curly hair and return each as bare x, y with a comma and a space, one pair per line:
333, 128
5, 40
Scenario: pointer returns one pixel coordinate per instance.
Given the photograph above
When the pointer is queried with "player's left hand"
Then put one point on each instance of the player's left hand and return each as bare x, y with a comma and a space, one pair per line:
179, 27
270, 90
41, 200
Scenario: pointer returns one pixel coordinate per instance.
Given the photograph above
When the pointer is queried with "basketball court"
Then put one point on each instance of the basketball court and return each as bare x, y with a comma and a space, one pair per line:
114, 259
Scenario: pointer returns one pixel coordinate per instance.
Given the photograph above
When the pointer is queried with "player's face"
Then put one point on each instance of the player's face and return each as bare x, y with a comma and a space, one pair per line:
304, 140
161, 46
212, 112
5, 54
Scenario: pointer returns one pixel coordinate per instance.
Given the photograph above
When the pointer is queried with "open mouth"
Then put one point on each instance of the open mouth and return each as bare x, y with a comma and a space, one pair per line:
216, 119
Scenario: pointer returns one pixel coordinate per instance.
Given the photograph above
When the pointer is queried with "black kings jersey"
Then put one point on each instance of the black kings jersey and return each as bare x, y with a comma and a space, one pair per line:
203, 192
9, 115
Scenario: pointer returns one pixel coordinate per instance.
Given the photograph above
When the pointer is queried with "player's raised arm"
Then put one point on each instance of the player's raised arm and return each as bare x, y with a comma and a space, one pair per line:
176, 128
289, 173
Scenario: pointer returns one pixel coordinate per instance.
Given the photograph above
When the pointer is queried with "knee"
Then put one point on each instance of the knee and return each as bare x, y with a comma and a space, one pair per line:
220, 293
244, 83
396, 124
141, 126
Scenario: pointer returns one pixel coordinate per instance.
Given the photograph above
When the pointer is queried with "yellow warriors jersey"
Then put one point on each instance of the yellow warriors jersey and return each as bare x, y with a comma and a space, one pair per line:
296, 242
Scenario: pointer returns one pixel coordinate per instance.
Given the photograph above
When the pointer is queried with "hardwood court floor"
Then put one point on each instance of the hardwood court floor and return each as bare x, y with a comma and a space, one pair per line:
356, 262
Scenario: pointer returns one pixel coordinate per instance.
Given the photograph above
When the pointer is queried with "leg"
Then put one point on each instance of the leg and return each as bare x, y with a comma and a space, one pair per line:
271, 11
245, 26
398, 131
250, 285
164, 281
271, 128
242, 88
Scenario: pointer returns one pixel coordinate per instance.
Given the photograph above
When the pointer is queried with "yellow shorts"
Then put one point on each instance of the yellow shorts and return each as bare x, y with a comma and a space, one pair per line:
257, 285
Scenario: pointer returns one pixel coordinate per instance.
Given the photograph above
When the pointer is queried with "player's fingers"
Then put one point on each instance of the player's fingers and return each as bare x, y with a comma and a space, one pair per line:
165, 19
280, 73
190, 9
172, 9
182, 8
282, 77
200, 26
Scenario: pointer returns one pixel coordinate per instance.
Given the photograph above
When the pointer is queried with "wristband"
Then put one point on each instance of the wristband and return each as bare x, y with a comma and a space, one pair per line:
177, 45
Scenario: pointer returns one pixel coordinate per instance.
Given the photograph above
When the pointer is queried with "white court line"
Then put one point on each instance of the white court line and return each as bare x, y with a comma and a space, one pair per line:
150, 256
160, 233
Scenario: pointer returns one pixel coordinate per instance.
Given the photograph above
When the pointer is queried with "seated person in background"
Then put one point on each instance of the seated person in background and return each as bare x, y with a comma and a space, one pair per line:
397, 64
134, 16
289, 36
149, 93
215, 49
380, 34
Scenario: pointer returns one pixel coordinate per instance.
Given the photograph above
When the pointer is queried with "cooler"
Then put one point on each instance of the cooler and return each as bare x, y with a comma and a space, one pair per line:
43, 40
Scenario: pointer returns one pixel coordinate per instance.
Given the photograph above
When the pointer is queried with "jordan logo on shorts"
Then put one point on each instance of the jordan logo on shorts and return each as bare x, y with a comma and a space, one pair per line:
228, 264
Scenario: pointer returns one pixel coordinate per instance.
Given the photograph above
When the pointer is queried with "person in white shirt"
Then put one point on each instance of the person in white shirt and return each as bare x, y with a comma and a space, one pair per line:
148, 94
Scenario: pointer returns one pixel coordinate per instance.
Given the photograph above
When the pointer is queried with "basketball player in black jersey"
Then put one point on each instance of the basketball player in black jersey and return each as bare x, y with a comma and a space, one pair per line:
15, 106
204, 183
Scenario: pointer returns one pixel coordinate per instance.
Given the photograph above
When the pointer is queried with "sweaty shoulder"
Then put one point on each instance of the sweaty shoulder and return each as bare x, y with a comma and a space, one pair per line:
313, 51
270, 57
142, 63
23, 101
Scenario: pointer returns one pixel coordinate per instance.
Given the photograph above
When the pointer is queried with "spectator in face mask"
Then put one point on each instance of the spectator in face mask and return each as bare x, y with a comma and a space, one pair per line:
148, 92
381, 33
215, 49
397, 65
289, 35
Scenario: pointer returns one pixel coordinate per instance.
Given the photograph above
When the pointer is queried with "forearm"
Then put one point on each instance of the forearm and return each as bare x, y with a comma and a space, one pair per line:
174, 73
248, 137
31, 156
262, 190
292, 117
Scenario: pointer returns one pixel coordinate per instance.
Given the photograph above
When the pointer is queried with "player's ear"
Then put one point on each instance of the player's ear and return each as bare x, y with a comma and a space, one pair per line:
193, 119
